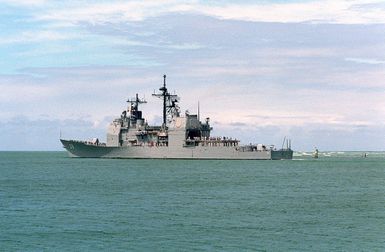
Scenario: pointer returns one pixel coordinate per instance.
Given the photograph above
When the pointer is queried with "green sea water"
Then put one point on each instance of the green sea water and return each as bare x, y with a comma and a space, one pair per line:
49, 202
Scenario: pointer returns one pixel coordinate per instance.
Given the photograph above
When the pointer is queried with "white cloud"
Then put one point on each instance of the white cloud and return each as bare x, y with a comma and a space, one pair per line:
24, 2
366, 61
110, 11
300, 78
84, 94
186, 46
37, 36
18, 93
329, 11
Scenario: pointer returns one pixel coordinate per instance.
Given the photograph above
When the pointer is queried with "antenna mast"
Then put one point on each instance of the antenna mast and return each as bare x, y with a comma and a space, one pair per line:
169, 102
199, 112
164, 94
134, 106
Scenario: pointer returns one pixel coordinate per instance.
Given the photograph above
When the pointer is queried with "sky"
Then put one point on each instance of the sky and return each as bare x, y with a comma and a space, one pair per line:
312, 71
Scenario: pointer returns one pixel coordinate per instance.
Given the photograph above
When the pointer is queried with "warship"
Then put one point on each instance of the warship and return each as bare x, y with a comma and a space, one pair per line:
181, 136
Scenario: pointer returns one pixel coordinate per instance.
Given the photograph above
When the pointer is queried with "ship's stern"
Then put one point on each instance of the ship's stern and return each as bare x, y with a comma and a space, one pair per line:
282, 154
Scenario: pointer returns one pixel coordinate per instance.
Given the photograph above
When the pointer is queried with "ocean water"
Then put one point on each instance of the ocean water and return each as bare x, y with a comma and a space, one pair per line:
49, 202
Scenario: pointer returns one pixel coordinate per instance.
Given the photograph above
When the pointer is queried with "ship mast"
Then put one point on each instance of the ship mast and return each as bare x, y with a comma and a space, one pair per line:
164, 94
134, 107
170, 106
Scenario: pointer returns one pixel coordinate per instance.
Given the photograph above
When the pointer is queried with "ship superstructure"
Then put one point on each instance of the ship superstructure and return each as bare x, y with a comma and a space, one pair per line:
179, 137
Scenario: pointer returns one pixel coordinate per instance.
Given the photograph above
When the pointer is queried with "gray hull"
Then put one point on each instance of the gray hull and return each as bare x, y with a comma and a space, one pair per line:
83, 149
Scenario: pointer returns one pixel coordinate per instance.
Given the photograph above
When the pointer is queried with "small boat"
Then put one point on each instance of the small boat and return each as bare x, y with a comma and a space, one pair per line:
315, 153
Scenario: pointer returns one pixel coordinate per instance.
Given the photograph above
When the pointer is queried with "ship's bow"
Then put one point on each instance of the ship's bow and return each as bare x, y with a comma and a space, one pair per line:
83, 149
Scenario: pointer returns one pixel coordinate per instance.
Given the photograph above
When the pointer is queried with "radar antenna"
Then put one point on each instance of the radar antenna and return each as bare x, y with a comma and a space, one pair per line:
170, 106
134, 106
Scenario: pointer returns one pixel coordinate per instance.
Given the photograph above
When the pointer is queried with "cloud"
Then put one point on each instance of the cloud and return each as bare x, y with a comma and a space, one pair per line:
366, 61
24, 2
44, 134
26, 37
266, 80
186, 46
329, 11
112, 12
326, 138
289, 81
23, 133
